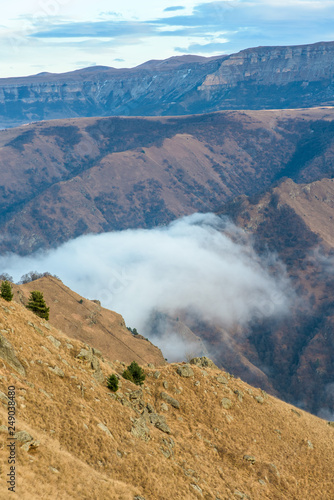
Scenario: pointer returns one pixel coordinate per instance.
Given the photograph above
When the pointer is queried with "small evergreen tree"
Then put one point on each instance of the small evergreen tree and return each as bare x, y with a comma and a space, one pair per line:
6, 291
37, 305
112, 383
134, 373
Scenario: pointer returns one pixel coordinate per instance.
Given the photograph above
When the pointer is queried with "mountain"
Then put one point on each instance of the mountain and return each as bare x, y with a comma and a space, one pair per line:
64, 178
191, 431
294, 221
256, 78
87, 321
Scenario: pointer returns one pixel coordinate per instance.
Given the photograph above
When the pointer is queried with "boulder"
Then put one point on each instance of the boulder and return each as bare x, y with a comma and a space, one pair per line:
203, 362
185, 371
7, 353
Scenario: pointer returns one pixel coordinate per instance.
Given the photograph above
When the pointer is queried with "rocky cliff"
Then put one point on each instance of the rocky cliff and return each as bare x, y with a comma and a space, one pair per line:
258, 78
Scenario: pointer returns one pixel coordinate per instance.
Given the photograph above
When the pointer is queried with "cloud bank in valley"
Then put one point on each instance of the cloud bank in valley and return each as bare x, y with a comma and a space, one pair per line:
200, 264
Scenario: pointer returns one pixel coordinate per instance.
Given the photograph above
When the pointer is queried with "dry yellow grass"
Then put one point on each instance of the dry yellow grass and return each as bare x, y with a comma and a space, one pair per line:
293, 452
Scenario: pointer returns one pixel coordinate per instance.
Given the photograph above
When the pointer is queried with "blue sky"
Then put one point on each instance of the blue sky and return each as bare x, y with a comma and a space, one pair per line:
63, 35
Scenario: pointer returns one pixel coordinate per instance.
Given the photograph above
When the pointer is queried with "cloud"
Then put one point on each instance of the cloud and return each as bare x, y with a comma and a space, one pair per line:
200, 266
172, 9
208, 48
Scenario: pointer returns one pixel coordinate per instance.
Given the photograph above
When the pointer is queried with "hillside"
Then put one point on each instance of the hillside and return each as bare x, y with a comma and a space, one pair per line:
256, 78
207, 435
61, 179
296, 353
87, 321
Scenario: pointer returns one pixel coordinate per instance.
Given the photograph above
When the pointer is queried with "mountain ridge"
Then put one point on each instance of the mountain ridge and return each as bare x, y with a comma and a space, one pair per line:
256, 78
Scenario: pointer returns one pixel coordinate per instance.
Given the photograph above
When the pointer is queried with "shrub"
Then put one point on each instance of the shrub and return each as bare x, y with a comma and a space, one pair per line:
37, 305
6, 291
112, 383
134, 373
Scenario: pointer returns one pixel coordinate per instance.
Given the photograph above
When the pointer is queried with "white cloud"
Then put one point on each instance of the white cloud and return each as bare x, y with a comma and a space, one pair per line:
200, 264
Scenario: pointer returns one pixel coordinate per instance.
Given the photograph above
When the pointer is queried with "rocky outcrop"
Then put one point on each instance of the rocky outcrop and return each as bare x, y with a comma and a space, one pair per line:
7, 353
296, 76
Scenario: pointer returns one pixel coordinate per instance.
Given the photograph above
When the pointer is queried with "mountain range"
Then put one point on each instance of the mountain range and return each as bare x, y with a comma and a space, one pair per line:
258, 78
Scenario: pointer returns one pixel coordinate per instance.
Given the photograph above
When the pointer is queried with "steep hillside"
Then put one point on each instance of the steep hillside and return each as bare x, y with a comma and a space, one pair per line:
62, 179
256, 78
189, 432
296, 354
87, 321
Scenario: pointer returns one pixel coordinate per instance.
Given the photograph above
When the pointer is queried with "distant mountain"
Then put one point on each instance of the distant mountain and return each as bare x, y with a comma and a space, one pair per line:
257, 78
61, 179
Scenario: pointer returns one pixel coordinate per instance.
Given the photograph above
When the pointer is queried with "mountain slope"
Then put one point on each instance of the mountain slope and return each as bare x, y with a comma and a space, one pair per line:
62, 179
225, 440
87, 321
256, 78
296, 353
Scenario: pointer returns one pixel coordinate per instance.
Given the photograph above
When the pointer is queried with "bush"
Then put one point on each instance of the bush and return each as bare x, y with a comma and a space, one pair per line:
134, 373
112, 383
37, 305
6, 291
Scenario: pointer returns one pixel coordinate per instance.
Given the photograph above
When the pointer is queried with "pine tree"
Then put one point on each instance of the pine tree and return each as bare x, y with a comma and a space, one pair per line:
112, 383
134, 373
37, 305
6, 291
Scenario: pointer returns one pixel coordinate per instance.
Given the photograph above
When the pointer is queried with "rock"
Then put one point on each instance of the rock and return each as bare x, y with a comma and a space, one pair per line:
95, 363
54, 470
226, 403
105, 429
164, 407
165, 384
310, 445
69, 346
203, 362
3, 397
97, 353
150, 408
31, 446
3, 429
98, 375
54, 341
7, 353
156, 374
331, 424
240, 394
138, 497
296, 412
222, 380
23, 436
140, 430
85, 355
197, 488
57, 371
173, 402
185, 371
249, 458
259, 399
159, 422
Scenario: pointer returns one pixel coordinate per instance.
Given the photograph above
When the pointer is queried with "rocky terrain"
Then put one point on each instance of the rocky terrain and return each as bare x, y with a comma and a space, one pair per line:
191, 431
61, 179
256, 78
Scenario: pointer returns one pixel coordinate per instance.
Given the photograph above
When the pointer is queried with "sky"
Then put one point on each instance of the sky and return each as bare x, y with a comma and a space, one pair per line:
64, 35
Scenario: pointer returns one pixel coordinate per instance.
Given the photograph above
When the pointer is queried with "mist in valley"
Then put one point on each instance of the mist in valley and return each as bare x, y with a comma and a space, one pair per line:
198, 268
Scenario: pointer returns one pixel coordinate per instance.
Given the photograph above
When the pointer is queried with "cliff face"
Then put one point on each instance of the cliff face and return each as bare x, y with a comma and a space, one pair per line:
259, 78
